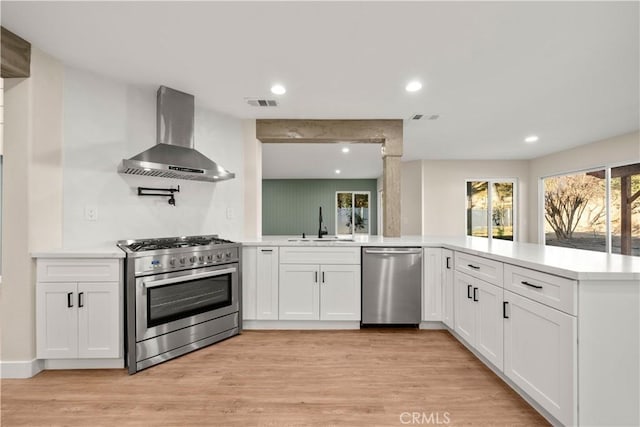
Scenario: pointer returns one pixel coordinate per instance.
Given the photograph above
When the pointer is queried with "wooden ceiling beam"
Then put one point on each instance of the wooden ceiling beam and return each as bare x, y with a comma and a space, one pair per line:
15, 55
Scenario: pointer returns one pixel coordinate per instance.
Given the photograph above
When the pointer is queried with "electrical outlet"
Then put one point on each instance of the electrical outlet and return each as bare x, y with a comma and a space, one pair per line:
90, 213
230, 213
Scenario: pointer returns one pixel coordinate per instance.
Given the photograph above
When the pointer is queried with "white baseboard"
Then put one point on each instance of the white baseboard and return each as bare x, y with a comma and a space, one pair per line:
20, 369
432, 325
299, 324
84, 364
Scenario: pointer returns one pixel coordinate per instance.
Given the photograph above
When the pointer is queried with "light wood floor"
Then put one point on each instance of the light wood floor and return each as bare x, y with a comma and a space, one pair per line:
278, 378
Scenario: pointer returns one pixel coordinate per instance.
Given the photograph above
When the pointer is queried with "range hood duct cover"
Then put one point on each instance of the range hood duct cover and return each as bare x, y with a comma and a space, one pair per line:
174, 156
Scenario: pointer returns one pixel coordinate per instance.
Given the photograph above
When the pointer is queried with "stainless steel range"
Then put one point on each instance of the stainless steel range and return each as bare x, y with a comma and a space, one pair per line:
181, 294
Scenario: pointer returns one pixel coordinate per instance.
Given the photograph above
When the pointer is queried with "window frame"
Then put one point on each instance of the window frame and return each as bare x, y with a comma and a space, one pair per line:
516, 195
353, 199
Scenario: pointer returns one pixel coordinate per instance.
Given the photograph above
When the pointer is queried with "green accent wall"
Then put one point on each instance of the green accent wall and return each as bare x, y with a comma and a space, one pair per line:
290, 206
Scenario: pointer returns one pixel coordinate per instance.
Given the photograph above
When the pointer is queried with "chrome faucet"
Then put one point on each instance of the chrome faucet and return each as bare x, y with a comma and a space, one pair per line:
321, 232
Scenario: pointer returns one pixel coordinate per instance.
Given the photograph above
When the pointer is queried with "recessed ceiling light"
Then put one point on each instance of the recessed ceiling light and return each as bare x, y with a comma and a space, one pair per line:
530, 139
338, 171
413, 86
278, 89
345, 149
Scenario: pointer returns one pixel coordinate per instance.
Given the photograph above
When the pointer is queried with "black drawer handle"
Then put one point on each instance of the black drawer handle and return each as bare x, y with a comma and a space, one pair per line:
266, 250
531, 284
323, 277
316, 277
70, 299
504, 309
469, 291
475, 294
448, 263
475, 267
81, 299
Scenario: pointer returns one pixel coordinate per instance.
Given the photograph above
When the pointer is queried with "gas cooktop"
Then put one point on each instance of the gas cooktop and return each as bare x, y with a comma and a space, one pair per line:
145, 245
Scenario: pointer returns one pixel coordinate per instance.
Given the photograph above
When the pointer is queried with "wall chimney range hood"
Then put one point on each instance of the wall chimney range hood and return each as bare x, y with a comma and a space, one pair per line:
174, 156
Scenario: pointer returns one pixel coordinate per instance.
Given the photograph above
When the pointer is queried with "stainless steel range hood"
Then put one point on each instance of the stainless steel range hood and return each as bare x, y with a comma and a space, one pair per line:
174, 156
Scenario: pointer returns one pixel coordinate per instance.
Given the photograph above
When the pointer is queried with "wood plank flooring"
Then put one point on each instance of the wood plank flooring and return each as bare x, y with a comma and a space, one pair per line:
369, 377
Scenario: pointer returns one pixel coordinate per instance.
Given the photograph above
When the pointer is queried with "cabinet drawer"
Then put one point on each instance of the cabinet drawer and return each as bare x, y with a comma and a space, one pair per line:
554, 291
78, 270
482, 268
319, 255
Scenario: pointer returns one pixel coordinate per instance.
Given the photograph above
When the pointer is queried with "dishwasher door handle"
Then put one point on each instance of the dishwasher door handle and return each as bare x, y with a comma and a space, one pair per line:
378, 251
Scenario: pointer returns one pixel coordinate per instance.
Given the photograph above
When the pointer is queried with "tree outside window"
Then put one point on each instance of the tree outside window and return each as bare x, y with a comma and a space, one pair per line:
576, 210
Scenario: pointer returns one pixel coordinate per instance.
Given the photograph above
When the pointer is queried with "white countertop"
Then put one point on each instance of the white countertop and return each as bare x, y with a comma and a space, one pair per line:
572, 263
107, 250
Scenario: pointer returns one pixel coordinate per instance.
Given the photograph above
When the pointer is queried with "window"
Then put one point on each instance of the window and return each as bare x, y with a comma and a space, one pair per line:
352, 212
577, 214
491, 209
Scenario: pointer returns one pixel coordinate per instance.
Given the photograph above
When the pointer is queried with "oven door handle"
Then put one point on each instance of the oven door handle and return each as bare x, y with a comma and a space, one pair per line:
162, 282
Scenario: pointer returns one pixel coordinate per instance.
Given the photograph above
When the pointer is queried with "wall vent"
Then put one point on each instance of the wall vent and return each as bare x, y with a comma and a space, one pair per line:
262, 102
424, 117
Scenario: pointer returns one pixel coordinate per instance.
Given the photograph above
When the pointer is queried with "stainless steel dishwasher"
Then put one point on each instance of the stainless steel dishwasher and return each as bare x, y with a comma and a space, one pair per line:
391, 286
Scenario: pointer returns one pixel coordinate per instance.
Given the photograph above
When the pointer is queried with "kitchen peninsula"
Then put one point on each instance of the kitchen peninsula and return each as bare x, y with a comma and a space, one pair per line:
561, 326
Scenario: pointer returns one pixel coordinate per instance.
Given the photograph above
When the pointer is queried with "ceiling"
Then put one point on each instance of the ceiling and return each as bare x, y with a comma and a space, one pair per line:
495, 72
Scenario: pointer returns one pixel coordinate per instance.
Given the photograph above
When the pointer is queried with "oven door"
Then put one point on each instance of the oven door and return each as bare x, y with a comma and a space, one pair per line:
172, 301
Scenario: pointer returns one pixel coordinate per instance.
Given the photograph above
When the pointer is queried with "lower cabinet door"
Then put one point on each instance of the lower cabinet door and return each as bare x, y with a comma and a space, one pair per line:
339, 292
488, 304
56, 321
267, 284
98, 320
432, 284
464, 306
540, 351
447, 288
299, 292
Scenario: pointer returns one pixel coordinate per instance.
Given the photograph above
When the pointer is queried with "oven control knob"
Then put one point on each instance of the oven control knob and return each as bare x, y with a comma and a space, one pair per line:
200, 258
219, 255
228, 254
172, 262
183, 260
192, 260
210, 257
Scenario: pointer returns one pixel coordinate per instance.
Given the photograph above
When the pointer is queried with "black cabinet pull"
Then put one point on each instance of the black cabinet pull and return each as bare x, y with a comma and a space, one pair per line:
323, 277
531, 284
504, 309
475, 267
316, 277
266, 250
469, 291
475, 294
449, 263
70, 299
80, 299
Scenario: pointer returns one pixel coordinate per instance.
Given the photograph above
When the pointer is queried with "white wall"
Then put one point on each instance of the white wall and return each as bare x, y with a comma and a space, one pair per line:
252, 181
443, 186
106, 121
411, 198
614, 151
31, 199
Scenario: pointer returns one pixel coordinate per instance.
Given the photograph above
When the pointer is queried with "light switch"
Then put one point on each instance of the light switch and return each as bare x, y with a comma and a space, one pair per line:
90, 213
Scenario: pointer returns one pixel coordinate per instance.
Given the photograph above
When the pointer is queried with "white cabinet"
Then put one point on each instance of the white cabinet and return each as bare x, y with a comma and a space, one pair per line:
299, 292
478, 316
319, 283
78, 319
447, 288
540, 354
319, 292
432, 284
267, 283
340, 292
